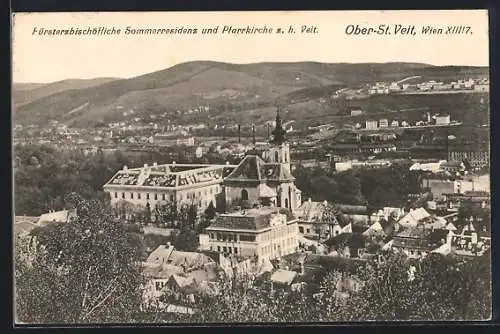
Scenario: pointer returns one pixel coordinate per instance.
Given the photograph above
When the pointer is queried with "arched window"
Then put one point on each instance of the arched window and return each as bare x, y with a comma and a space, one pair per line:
244, 194
276, 156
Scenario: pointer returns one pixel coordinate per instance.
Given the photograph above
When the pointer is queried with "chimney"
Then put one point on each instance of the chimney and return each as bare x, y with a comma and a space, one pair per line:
155, 164
253, 134
125, 168
145, 165
239, 133
309, 200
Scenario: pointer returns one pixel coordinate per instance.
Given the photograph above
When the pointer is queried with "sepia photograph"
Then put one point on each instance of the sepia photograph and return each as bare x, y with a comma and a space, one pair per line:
251, 167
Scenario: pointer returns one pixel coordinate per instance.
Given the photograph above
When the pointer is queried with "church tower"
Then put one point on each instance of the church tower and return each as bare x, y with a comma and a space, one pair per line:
279, 149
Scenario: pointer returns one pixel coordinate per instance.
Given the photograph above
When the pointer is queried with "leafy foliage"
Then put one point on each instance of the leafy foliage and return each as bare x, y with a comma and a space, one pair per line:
85, 270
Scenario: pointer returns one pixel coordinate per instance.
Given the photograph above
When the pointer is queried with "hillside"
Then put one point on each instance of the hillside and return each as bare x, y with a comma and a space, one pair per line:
225, 87
28, 92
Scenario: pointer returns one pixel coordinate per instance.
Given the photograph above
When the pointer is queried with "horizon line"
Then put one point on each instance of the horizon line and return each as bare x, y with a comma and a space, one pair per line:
249, 63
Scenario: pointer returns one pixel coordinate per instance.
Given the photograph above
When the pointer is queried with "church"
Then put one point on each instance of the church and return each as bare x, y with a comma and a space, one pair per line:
265, 181
264, 191
255, 182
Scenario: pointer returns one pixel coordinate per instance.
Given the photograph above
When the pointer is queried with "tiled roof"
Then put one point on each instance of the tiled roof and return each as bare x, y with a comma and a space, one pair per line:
414, 216
161, 180
248, 169
168, 255
172, 175
253, 168
309, 211
126, 178
243, 222
154, 270
419, 238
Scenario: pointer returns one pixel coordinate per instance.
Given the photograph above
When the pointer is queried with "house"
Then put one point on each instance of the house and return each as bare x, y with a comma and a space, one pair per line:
350, 245
177, 275
453, 167
417, 242
415, 217
167, 254
443, 120
383, 123
52, 216
470, 242
371, 124
310, 219
433, 167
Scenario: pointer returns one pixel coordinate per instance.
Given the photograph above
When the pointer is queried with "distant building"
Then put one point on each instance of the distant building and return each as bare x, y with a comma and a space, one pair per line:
418, 242
481, 87
199, 152
310, 219
443, 120
356, 111
384, 123
476, 159
371, 125
395, 124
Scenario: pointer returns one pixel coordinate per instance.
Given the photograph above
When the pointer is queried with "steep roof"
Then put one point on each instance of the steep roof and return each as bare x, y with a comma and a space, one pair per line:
169, 255
254, 168
153, 270
414, 216
248, 169
309, 211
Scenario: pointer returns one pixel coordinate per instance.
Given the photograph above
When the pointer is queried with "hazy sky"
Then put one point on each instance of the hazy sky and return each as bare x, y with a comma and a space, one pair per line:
51, 58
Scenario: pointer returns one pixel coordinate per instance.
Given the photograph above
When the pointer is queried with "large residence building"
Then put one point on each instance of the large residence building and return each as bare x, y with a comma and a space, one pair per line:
159, 184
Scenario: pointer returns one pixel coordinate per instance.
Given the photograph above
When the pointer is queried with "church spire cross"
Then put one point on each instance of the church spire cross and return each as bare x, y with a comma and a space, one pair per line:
278, 132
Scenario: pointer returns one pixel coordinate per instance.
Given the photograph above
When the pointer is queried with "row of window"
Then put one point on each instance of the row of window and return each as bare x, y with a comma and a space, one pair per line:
272, 249
230, 237
225, 249
156, 196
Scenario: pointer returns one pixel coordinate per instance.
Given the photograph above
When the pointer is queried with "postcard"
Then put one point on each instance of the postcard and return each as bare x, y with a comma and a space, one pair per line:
251, 167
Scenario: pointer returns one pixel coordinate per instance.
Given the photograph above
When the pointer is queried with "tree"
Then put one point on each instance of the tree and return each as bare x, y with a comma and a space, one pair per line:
210, 211
84, 271
438, 288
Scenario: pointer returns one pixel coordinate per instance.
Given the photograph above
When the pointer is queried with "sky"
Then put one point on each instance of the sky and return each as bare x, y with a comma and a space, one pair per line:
43, 59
